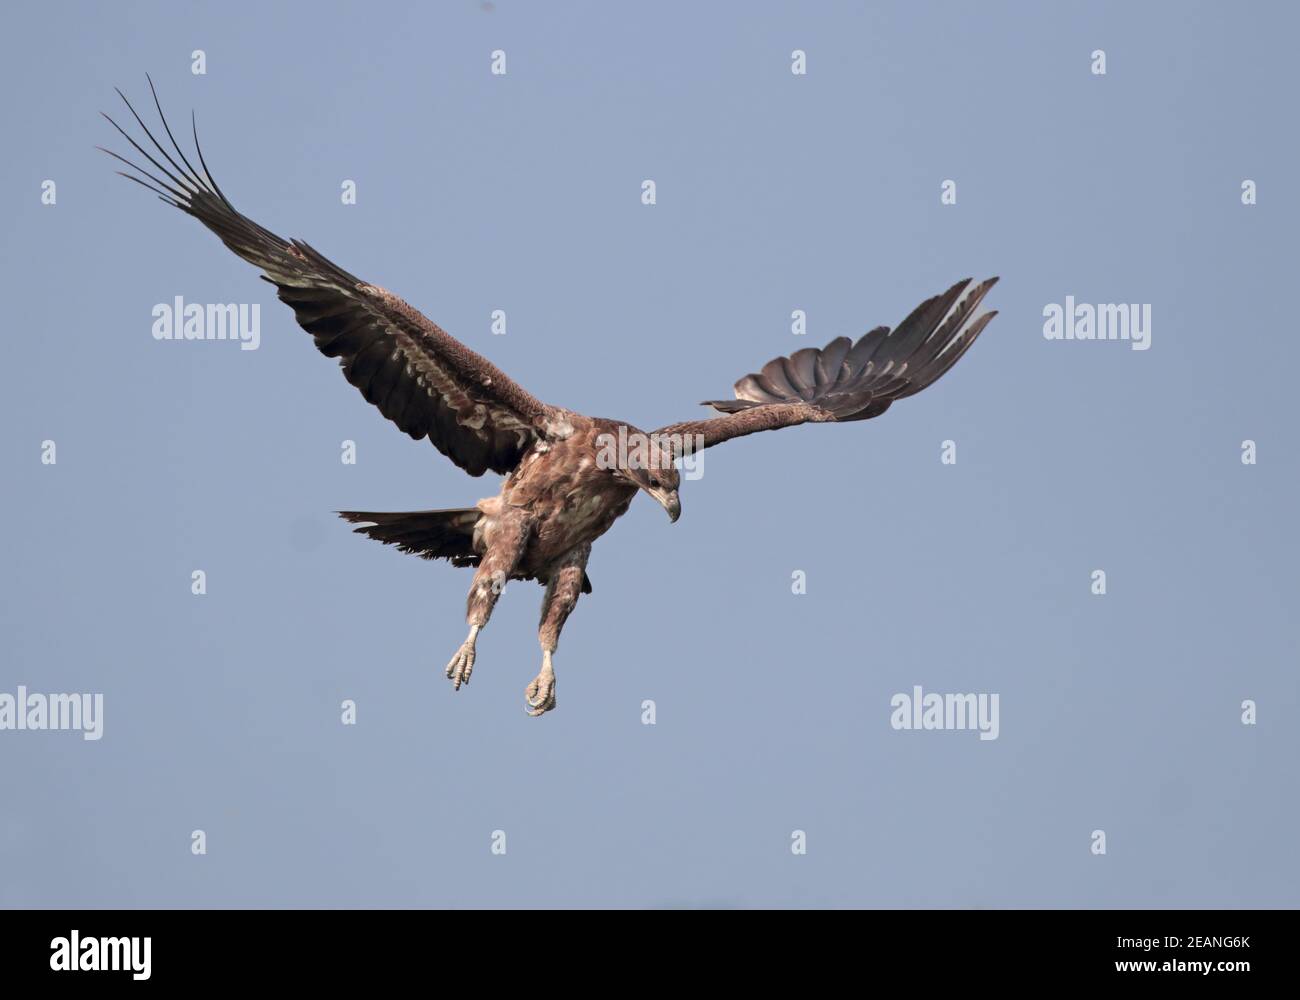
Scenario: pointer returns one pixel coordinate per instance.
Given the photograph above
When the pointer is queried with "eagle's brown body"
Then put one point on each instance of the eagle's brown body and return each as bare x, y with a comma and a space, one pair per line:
562, 491
566, 496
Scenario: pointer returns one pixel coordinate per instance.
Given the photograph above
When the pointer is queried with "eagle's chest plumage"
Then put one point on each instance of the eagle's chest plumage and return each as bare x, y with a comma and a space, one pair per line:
569, 500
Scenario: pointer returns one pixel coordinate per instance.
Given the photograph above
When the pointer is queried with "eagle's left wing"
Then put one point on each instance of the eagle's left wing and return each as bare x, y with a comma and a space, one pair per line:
419, 376
846, 381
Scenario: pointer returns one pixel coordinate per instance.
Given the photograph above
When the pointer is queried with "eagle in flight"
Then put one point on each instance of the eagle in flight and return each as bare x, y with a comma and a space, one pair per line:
569, 477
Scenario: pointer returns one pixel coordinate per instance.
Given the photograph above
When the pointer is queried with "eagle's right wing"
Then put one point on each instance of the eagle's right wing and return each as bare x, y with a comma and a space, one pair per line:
846, 381
420, 377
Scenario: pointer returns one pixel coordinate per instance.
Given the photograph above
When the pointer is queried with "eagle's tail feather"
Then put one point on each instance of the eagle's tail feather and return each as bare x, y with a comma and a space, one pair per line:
429, 534
851, 381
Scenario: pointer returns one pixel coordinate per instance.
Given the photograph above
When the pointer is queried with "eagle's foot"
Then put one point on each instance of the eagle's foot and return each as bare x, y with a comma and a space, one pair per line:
540, 693
462, 664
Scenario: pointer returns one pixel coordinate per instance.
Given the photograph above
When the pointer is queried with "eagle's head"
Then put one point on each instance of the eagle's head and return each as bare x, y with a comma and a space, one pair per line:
647, 467
644, 461
660, 483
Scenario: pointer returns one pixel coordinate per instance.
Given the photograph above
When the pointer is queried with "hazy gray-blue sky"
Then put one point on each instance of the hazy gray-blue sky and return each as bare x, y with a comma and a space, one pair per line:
775, 192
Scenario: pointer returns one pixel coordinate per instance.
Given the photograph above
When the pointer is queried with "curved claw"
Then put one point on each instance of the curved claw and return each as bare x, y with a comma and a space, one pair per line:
540, 693
461, 666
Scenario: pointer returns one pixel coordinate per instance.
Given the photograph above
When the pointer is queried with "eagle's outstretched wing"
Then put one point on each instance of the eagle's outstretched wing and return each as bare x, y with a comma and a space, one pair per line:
846, 381
421, 378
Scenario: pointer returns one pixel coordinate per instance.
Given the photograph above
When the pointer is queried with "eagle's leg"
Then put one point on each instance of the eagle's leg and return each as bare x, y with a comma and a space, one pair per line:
562, 593
506, 540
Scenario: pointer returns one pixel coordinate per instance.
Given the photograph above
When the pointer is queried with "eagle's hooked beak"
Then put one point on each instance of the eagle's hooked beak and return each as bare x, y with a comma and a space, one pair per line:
669, 501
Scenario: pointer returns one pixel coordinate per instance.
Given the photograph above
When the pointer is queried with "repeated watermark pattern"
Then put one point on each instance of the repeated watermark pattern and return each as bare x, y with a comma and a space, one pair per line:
26, 711
919, 711
189, 321
1107, 321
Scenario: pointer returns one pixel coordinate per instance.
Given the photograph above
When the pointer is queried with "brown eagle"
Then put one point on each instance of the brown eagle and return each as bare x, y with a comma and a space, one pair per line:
568, 476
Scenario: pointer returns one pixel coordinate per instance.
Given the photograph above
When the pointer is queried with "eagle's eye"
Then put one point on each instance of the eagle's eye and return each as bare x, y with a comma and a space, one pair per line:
654, 482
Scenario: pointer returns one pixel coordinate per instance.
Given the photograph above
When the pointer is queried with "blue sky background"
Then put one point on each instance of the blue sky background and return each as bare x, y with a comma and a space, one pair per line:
775, 193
